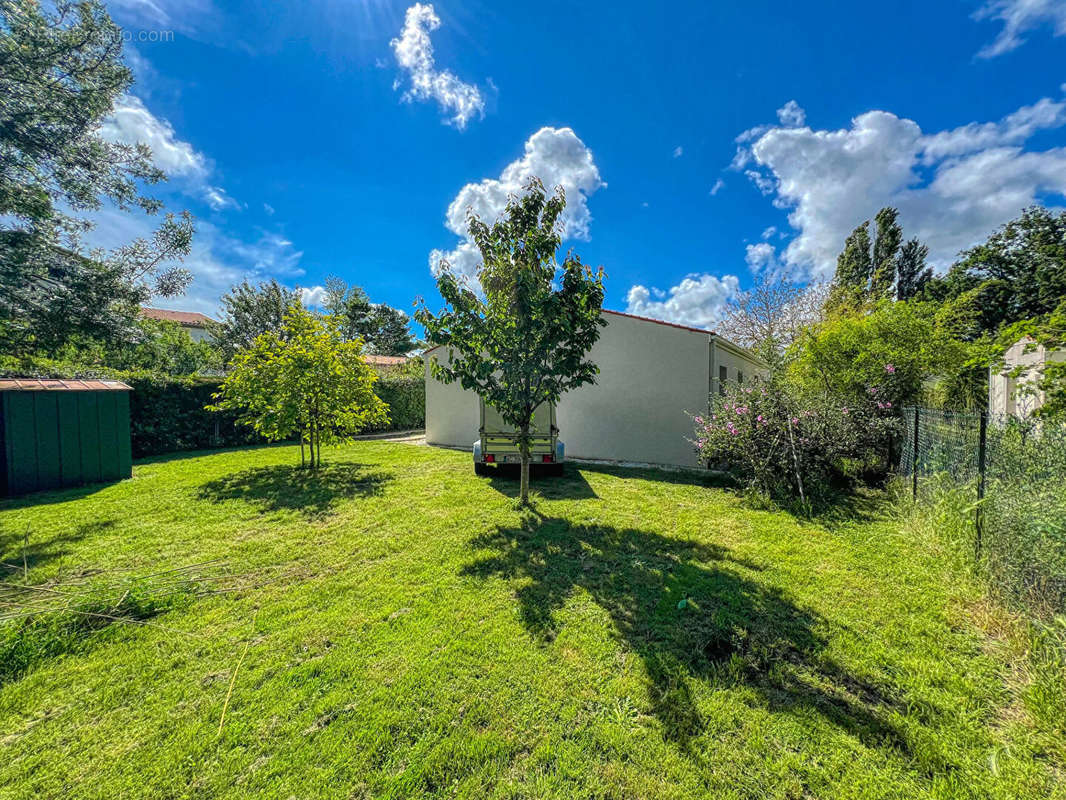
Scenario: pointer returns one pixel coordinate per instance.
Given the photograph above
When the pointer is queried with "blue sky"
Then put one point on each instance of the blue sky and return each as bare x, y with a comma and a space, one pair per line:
699, 144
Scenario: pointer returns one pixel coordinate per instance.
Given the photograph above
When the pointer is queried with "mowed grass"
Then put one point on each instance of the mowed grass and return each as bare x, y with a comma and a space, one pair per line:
401, 630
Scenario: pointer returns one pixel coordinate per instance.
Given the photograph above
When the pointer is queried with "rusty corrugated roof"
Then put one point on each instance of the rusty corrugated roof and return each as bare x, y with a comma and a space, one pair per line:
56, 385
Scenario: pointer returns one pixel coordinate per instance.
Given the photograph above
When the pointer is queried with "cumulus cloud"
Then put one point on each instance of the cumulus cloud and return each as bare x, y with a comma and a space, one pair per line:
414, 54
791, 114
555, 155
698, 300
718, 186
1020, 17
952, 187
761, 256
313, 297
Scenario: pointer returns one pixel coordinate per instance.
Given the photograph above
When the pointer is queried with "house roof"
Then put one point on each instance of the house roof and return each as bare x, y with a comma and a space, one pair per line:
385, 361
190, 319
642, 319
52, 385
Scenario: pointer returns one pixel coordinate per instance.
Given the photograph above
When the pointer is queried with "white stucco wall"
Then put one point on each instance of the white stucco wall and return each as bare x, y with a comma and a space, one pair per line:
1004, 392
197, 334
651, 374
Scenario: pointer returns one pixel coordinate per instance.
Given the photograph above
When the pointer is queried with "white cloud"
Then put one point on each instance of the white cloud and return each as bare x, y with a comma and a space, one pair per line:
414, 54
791, 115
556, 156
1019, 17
718, 186
679, 151
313, 297
760, 256
952, 187
697, 301
269, 209
217, 198
766, 234
131, 123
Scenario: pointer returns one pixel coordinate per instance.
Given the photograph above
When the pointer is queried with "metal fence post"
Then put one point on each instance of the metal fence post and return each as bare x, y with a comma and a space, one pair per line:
982, 451
914, 456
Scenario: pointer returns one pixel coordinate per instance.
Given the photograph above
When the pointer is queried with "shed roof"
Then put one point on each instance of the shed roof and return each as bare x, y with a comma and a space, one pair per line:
55, 385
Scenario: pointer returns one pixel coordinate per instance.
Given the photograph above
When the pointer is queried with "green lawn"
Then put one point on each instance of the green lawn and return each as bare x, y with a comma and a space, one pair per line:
402, 631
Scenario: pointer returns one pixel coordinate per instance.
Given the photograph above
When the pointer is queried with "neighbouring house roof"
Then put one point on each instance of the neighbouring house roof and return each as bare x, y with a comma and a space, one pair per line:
642, 319
385, 361
52, 385
188, 319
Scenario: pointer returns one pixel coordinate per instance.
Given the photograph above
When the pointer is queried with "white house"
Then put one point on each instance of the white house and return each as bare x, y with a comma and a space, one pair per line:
1016, 394
653, 374
193, 322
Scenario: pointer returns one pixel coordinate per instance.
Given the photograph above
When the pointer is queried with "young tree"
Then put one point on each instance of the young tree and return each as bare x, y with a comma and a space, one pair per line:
61, 70
250, 311
304, 380
525, 343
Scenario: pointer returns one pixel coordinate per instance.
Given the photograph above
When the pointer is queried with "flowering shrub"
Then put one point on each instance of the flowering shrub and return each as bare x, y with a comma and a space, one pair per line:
777, 442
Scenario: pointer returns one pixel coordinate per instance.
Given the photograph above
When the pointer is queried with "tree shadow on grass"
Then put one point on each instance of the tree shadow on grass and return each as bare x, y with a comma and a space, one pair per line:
571, 485
24, 548
292, 487
731, 631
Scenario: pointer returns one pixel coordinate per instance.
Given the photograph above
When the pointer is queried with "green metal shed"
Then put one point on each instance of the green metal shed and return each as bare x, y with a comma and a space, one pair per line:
55, 434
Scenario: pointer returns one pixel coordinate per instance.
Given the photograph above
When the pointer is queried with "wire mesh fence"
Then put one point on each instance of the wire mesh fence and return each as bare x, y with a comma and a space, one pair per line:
1014, 472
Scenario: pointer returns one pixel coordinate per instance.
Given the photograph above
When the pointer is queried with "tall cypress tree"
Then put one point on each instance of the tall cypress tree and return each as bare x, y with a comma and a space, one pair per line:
911, 272
854, 267
886, 251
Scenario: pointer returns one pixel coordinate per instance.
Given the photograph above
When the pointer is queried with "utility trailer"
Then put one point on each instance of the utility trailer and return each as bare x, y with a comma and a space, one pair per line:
497, 446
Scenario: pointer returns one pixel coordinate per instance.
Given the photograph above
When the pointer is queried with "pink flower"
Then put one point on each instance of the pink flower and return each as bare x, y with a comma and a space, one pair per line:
699, 420
795, 421
890, 369
845, 409
759, 418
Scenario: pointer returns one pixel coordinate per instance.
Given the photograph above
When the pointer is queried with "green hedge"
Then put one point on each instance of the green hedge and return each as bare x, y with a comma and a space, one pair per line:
406, 396
167, 414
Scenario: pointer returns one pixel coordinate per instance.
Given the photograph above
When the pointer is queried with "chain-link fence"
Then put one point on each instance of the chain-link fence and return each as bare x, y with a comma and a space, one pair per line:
1014, 472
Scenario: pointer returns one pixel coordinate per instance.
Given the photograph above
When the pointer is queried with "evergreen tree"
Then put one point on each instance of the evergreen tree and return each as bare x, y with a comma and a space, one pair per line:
854, 267
886, 251
911, 272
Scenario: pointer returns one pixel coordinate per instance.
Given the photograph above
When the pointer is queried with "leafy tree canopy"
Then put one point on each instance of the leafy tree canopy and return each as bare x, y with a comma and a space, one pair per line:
250, 311
525, 342
61, 70
384, 330
303, 380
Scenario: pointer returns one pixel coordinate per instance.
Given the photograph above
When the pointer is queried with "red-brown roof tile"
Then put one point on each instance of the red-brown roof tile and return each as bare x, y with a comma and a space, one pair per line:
190, 319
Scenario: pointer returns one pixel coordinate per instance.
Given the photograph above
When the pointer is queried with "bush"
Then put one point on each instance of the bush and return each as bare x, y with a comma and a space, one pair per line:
778, 443
406, 398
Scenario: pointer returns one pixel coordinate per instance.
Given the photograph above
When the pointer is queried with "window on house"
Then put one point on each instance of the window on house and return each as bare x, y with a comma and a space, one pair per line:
723, 376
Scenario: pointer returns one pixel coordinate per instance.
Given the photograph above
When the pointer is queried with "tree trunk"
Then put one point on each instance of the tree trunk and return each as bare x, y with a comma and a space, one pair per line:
523, 446
303, 461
